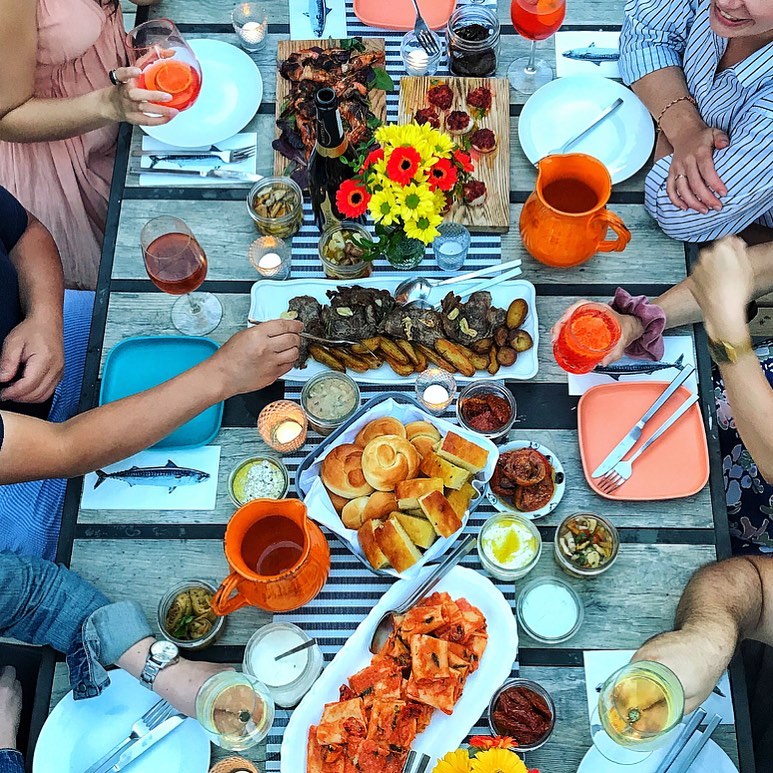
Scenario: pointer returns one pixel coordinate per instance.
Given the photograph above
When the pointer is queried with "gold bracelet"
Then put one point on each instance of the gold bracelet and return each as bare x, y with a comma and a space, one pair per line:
673, 102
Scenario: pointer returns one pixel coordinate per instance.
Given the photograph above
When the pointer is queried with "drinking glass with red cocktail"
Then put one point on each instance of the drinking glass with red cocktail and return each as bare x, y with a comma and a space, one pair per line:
586, 338
177, 265
167, 62
534, 20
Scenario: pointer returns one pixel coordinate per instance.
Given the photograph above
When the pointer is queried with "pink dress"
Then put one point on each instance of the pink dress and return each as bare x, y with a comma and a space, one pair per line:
66, 183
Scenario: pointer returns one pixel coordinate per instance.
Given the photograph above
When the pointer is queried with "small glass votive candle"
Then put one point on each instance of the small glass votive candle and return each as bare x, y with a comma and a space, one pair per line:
435, 390
291, 677
270, 257
452, 246
416, 60
283, 425
250, 23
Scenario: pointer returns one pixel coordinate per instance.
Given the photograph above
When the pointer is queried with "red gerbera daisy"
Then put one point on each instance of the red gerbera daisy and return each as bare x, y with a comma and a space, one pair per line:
443, 175
402, 164
464, 161
352, 199
372, 157
492, 742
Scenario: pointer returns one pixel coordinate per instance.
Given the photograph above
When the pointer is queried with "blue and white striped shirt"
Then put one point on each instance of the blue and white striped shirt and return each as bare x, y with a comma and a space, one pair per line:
738, 100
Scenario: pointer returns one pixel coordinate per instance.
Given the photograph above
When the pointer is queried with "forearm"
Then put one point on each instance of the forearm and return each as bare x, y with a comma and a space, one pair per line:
42, 120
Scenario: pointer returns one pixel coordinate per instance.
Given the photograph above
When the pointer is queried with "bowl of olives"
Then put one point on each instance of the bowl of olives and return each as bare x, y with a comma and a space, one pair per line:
185, 615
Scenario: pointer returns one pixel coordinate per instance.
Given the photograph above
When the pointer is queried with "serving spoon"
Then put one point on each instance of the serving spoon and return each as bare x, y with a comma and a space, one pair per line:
385, 625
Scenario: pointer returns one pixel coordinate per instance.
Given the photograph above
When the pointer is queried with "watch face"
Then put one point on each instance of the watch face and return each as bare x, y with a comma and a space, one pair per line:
163, 651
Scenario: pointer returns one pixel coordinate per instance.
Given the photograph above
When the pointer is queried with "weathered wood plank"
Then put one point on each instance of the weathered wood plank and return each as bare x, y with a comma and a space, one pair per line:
238, 443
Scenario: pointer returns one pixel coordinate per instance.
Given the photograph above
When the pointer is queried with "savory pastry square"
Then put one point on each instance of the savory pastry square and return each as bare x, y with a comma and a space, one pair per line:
409, 491
463, 453
434, 467
420, 530
440, 514
396, 545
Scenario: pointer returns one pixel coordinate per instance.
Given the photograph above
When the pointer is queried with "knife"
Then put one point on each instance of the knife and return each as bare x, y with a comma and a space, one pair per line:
143, 744
220, 174
628, 442
602, 116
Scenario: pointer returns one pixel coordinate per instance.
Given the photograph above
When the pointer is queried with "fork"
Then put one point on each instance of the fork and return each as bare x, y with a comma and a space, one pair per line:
151, 719
423, 33
226, 156
622, 471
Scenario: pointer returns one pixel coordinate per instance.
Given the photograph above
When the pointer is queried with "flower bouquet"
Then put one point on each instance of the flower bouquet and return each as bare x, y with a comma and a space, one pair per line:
485, 755
407, 182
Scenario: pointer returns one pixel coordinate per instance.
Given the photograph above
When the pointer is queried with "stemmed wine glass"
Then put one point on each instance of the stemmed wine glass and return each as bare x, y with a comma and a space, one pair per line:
167, 62
534, 20
177, 265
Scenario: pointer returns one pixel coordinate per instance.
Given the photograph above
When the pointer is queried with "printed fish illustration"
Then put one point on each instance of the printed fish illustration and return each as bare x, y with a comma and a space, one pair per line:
593, 54
317, 14
638, 368
170, 476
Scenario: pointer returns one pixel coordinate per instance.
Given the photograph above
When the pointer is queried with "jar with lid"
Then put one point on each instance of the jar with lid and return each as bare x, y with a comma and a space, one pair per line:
472, 36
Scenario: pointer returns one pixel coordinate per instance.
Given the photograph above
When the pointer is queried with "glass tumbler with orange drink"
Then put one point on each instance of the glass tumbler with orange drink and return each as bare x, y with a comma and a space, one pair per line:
167, 62
177, 265
586, 338
534, 20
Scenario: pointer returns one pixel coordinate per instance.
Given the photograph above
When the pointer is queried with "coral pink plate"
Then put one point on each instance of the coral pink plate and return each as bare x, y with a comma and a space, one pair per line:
401, 15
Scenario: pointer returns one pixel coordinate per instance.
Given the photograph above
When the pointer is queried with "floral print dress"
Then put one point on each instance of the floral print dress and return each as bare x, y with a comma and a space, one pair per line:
749, 496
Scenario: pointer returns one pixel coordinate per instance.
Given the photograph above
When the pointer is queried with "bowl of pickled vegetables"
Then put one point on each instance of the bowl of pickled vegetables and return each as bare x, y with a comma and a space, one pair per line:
586, 545
185, 615
341, 252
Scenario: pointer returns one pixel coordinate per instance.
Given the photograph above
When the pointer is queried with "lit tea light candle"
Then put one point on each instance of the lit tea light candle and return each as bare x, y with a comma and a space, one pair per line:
435, 389
253, 32
417, 62
269, 264
287, 431
270, 257
436, 395
283, 426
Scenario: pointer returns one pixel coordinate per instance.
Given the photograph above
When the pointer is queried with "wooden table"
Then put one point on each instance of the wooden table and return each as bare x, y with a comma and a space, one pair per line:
140, 554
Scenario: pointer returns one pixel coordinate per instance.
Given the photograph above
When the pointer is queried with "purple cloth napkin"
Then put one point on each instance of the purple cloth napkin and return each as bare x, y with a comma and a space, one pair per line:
650, 345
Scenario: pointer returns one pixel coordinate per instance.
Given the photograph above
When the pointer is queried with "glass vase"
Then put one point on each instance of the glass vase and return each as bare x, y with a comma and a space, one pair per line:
403, 252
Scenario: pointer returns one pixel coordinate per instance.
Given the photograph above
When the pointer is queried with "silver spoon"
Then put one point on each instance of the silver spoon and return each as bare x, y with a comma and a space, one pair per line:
300, 648
385, 625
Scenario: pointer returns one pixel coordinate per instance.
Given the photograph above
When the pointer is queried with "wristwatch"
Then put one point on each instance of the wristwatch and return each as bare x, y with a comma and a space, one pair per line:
161, 655
724, 352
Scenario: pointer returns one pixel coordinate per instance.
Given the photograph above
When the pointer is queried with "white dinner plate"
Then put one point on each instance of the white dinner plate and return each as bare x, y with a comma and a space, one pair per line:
231, 92
445, 732
560, 480
77, 733
712, 759
269, 299
562, 108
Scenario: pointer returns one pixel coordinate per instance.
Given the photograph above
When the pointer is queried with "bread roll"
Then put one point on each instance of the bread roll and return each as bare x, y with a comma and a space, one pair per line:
351, 515
342, 472
424, 445
338, 502
463, 453
396, 545
420, 530
409, 491
367, 536
387, 460
380, 505
440, 514
386, 425
453, 477
421, 429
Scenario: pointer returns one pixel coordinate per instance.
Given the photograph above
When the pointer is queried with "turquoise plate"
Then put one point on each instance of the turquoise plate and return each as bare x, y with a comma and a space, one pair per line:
142, 362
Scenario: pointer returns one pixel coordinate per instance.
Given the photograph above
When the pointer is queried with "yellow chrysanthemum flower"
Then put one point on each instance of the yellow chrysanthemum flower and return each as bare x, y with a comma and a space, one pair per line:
453, 762
423, 228
498, 761
416, 201
383, 207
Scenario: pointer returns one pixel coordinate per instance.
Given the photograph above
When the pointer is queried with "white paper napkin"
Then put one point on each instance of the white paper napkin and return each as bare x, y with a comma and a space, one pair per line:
243, 140
601, 664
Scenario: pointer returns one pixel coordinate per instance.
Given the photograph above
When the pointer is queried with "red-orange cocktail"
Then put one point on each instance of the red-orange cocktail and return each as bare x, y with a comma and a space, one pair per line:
586, 338
175, 77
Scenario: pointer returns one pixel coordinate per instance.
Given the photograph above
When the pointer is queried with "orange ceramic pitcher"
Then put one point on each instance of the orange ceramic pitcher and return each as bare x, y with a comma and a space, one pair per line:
279, 558
565, 220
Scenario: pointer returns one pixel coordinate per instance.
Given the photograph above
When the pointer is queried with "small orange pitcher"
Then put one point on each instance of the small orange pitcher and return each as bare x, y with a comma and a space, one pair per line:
565, 220
279, 558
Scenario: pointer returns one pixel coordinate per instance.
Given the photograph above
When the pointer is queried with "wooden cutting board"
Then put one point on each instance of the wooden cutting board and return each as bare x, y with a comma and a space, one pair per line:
376, 97
493, 216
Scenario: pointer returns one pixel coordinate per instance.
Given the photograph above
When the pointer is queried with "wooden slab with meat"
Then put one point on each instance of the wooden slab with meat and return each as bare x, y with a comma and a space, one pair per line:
491, 168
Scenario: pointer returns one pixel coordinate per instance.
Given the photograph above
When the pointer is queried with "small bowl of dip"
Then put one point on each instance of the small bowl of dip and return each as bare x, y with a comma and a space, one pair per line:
586, 545
258, 477
330, 399
291, 677
524, 711
549, 610
509, 546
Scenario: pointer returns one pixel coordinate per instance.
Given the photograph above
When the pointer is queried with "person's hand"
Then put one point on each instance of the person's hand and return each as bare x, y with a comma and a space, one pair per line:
630, 330
258, 356
722, 282
10, 707
33, 352
693, 182
129, 103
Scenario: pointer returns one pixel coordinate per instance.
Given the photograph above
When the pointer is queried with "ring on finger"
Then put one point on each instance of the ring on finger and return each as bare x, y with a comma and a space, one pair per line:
113, 75
679, 177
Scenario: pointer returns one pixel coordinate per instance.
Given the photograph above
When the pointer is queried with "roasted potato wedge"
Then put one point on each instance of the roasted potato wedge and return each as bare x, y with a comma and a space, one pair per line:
354, 361
421, 359
393, 352
366, 345
320, 354
480, 361
401, 368
435, 358
500, 336
506, 355
493, 362
517, 313
522, 341
456, 356
408, 349
483, 346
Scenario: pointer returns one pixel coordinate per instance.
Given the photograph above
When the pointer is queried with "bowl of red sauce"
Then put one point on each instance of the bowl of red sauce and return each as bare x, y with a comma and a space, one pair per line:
524, 711
486, 408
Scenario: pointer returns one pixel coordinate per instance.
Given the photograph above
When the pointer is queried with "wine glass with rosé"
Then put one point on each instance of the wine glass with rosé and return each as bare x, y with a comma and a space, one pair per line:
177, 265
167, 62
534, 20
